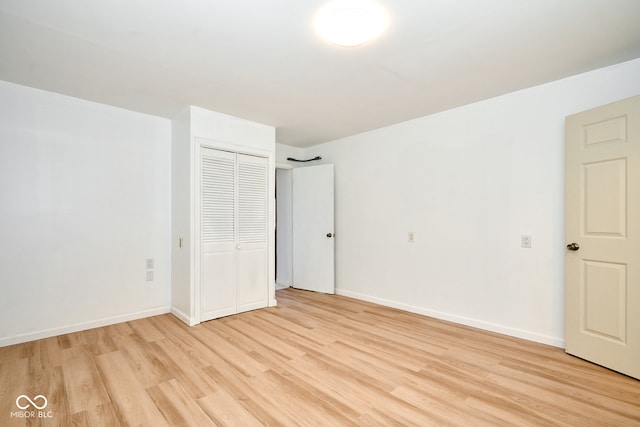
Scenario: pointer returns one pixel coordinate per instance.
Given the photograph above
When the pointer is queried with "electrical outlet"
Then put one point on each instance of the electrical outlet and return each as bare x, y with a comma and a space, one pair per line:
150, 276
525, 240
149, 263
411, 237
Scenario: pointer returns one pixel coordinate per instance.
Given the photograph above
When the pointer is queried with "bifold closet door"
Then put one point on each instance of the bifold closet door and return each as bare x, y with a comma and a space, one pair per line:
218, 234
233, 272
251, 255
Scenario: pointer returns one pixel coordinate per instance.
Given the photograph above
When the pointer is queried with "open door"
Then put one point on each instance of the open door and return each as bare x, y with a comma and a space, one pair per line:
313, 229
602, 186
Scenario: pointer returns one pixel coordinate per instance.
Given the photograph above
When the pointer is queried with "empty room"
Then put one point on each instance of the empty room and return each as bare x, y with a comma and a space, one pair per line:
320, 213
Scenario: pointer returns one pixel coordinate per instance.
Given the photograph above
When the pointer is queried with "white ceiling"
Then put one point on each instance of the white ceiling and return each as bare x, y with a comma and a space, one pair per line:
260, 59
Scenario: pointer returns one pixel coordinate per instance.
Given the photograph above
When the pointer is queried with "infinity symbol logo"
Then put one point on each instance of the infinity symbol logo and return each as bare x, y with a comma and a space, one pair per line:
22, 397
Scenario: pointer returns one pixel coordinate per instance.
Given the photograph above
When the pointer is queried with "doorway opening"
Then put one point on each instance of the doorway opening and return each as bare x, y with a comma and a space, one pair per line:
304, 221
284, 227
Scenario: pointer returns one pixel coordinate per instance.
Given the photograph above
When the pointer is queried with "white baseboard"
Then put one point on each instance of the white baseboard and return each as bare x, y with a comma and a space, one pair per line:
282, 285
76, 327
487, 326
184, 317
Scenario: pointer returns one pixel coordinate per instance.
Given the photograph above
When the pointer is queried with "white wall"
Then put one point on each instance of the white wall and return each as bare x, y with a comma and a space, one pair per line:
285, 151
181, 206
468, 182
84, 201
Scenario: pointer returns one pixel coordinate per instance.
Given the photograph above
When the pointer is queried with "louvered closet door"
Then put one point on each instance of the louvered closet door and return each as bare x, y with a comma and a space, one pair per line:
234, 274
218, 234
252, 273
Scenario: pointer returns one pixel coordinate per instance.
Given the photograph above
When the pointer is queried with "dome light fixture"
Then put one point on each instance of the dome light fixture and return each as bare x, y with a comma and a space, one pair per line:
350, 23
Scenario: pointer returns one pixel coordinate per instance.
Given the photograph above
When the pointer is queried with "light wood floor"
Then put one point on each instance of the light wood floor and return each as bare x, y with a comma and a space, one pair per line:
315, 360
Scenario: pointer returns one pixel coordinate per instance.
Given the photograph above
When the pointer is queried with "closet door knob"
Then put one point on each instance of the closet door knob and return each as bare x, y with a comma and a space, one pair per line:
329, 235
573, 246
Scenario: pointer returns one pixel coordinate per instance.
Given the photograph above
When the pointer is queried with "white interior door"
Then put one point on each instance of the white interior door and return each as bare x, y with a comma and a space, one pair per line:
313, 229
251, 255
602, 181
218, 234
234, 238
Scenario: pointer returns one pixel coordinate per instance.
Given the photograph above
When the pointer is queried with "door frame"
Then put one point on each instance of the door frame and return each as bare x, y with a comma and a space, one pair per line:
286, 168
196, 286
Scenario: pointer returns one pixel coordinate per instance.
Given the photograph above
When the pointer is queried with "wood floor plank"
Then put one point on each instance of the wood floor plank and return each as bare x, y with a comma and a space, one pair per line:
133, 404
508, 414
313, 360
146, 329
118, 330
264, 356
255, 401
83, 384
328, 383
481, 392
229, 352
13, 352
177, 406
14, 381
443, 408
273, 318
148, 368
392, 338
183, 337
563, 408
98, 341
398, 413
225, 411
301, 405
104, 415
265, 339
54, 390
45, 353
578, 396
184, 370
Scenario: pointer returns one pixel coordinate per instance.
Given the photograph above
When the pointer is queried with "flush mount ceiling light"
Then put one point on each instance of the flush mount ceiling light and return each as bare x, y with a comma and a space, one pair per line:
351, 23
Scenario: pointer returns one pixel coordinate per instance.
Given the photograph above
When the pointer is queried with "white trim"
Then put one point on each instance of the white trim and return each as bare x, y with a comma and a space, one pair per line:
284, 220
196, 273
232, 148
487, 326
184, 317
282, 285
280, 165
76, 327
271, 227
